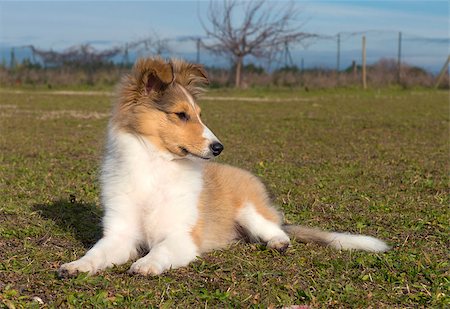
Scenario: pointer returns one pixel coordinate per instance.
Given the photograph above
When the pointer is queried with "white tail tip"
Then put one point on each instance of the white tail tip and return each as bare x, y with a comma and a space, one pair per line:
342, 241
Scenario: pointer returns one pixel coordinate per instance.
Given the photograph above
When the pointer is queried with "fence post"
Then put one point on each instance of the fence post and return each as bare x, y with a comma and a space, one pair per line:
354, 70
338, 60
126, 57
12, 60
442, 73
364, 80
399, 60
302, 69
198, 50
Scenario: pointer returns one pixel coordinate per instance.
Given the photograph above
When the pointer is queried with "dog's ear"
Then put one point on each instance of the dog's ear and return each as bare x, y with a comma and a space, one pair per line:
198, 74
158, 77
190, 74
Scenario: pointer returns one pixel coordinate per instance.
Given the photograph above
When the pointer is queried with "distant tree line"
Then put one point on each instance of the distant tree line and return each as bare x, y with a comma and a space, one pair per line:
105, 74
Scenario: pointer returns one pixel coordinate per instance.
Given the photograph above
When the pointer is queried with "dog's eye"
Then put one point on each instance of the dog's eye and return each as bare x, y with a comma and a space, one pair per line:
183, 116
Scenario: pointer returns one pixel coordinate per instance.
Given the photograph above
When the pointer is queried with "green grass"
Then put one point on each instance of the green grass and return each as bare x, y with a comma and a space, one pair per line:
372, 162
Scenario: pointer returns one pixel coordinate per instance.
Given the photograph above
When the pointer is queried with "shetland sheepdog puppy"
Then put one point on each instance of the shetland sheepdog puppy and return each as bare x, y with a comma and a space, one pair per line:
160, 190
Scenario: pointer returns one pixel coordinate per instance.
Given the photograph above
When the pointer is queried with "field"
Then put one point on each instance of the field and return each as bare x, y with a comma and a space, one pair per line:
372, 162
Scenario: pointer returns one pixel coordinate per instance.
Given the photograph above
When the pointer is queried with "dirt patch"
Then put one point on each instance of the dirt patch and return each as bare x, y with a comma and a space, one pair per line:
50, 115
72, 114
255, 99
209, 98
60, 92
8, 106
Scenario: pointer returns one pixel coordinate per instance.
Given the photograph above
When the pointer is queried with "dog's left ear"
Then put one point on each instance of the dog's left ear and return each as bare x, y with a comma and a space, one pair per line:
159, 77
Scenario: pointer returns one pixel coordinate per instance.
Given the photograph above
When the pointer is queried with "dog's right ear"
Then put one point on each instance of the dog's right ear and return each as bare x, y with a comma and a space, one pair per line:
153, 75
158, 77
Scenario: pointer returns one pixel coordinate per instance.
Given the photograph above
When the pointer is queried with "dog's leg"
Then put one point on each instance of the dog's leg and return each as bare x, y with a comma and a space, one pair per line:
107, 252
265, 228
176, 250
118, 245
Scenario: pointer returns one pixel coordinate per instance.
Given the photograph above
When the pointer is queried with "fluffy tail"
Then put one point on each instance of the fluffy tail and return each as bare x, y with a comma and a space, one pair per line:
340, 241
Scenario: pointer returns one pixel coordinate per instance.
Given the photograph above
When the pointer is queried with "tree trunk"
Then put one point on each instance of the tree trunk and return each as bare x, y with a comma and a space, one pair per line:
237, 79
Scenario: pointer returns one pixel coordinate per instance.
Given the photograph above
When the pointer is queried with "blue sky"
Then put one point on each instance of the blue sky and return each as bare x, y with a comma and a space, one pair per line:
61, 24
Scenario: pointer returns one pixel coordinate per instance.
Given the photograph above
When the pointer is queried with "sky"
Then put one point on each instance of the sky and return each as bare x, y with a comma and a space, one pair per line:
59, 25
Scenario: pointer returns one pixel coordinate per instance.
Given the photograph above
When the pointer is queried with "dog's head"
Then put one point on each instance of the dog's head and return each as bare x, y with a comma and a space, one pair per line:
158, 102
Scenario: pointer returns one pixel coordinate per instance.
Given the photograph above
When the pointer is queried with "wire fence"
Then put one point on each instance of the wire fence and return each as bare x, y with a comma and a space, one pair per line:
339, 51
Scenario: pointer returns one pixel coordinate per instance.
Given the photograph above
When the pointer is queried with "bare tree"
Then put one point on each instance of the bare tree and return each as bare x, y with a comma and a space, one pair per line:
76, 55
153, 45
85, 54
82, 56
264, 30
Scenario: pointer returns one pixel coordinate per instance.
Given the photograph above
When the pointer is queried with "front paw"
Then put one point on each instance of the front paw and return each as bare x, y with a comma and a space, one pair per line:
145, 267
280, 243
74, 268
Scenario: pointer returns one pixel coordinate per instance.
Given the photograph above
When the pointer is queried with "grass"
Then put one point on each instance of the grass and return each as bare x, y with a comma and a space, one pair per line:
372, 162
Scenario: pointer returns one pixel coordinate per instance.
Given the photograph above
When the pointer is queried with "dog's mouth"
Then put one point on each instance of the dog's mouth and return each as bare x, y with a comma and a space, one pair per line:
187, 152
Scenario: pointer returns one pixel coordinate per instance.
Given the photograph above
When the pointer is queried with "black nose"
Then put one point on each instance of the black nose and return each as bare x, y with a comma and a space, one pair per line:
216, 148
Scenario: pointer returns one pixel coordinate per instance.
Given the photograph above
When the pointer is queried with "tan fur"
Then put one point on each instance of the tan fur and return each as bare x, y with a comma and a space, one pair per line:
307, 234
226, 190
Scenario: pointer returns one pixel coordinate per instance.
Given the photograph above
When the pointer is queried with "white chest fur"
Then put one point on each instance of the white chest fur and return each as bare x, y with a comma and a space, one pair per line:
139, 183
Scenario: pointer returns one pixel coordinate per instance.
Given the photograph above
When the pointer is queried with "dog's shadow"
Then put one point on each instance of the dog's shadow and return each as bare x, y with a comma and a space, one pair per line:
81, 219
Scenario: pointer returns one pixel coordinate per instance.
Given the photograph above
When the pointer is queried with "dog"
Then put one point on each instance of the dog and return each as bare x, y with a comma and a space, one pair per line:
160, 190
